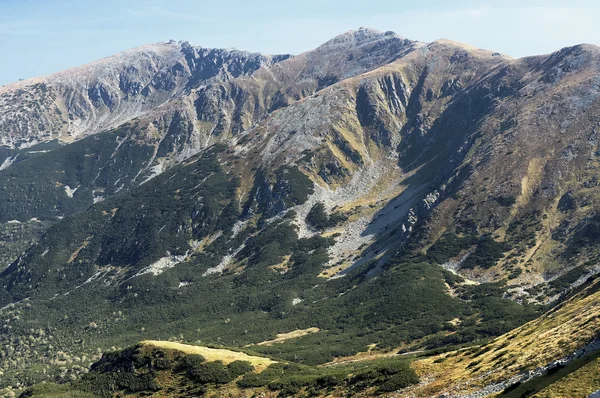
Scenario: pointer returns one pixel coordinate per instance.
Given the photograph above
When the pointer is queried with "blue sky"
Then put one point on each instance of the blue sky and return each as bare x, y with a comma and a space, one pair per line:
38, 37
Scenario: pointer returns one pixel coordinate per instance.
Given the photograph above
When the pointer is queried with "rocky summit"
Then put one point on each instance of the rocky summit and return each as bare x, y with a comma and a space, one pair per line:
374, 216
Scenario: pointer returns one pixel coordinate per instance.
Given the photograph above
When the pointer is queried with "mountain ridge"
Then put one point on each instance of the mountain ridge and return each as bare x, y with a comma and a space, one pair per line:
160, 70
388, 193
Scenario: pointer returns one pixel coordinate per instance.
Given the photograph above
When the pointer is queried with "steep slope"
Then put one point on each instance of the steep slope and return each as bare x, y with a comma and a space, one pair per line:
176, 100
107, 93
526, 359
40, 115
390, 194
351, 141
532, 171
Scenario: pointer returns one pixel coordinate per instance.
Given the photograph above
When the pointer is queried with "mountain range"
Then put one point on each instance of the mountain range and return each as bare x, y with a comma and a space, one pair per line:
338, 214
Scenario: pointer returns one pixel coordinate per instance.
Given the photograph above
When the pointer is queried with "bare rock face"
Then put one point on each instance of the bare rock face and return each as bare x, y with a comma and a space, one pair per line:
105, 94
78, 102
414, 140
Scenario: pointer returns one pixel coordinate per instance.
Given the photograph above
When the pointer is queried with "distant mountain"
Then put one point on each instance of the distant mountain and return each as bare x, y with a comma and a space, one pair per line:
390, 194
70, 105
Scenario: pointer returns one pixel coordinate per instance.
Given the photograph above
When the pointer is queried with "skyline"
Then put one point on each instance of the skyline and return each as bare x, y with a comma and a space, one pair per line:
44, 37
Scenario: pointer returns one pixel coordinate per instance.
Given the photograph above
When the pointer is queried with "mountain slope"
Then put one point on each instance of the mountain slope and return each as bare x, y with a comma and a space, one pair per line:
536, 358
112, 91
196, 97
392, 194
559, 339
536, 154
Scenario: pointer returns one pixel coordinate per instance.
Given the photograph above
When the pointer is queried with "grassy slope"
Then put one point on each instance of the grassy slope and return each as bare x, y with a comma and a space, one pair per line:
573, 380
552, 336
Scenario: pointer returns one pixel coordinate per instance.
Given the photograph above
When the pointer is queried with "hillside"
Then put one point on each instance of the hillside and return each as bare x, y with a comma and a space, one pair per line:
536, 359
387, 195
162, 368
542, 355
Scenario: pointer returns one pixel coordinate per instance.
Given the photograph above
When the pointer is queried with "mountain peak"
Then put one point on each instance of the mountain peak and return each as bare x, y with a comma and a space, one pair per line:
360, 36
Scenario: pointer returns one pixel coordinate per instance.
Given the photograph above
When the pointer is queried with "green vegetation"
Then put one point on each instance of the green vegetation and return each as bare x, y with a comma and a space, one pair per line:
191, 361
318, 218
386, 374
239, 368
35, 186
506, 201
271, 195
16, 237
449, 246
52, 390
521, 232
486, 251
210, 372
585, 237
486, 254
292, 186
563, 282
252, 306
102, 256
138, 370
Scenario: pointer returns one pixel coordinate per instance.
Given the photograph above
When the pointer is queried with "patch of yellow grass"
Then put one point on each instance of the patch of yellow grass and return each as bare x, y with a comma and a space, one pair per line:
340, 156
553, 335
329, 272
281, 337
112, 212
80, 248
384, 190
212, 354
283, 266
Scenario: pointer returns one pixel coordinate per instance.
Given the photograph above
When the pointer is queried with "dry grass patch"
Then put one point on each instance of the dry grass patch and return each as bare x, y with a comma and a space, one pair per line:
212, 354
283, 266
281, 337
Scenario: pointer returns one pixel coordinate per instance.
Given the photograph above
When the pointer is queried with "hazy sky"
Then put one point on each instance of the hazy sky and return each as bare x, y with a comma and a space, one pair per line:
38, 37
